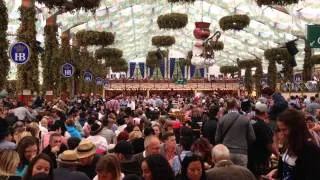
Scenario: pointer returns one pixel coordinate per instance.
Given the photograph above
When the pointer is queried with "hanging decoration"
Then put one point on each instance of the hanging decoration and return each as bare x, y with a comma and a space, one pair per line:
258, 78
163, 41
172, 21
153, 60
65, 57
229, 70
110, 55
234, 22
315, 59
307, 65
248, 80
181, 1
276, 2
214, 45
248, 65
4, 60
28, 74
50, 59
86, 4
277, 54
87, 38
202, 30
272, 74
120, 66
70, 5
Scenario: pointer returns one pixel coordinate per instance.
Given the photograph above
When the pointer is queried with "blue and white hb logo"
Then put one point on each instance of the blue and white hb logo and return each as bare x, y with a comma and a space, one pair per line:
99, 81
67, 70
87, 76
19, 53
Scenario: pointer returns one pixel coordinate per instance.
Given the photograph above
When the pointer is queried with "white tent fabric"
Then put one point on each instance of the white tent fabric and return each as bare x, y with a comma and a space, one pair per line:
135, 22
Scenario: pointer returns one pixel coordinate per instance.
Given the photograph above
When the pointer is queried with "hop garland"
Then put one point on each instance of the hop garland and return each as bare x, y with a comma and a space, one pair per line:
234, 22
229, 69
120, 66
87, 38
172, 21
276, 2
5, 64
163, 41
152, 60
181, 1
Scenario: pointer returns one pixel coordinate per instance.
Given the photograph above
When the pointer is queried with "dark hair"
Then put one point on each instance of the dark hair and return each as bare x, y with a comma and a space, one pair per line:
148, 131
43, 156
73, 142
299, 134
23, 144
166, 135
185, 164
203, 147
82, 114
132, 177
213, 111
186, 143
312, 98
159, 167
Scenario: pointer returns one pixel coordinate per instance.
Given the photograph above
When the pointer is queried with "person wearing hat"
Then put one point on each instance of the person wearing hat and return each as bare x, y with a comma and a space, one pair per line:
260, 150
5, 135
67, 167
124, 153
99, 141
87, 157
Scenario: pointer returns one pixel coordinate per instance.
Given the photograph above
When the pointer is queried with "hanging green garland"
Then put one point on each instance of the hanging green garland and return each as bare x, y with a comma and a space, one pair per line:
277, 54
172, 21
87, 38
65, 57
50, 59
163, 41
214, 45
234, 22
258, 77
5, 64
276, 2
152, 60
121, 66
315, 59
229, 70
75, 56
181, 1
307, 65
110, 55
248, 80
272, 74
28, 74
53, 3
248, 63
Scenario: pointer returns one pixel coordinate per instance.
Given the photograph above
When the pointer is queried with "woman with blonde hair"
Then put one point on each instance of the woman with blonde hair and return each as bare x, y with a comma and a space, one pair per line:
108, 168
9, 162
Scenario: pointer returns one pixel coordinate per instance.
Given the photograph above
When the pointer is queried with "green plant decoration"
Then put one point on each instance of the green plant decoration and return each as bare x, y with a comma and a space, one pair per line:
28, 74
4, 61
217, 46
288, 71
65, 57
248, 63
152, 60
121, 66
163, 41
272, 74
277, 54
258, 77
86, 4
172, 21
108, 53
229, 70
50, 59
307, 65
315, 59
87, 38
234, 22
248, 80
75, 56
188, 59
181, 1
53, 3
276, 2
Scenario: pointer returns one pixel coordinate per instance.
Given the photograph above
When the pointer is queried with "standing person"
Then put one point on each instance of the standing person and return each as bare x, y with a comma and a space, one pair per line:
224, 167
193, 168
169, 147
9, 162
28, 148
260, 150
124, 153
87, 157
236, 132
301, 157
40, 164
22, 112
99, 141
185, 143
156, 167
108, 168
151, 146
5, 142
55, 148
67, 166
209, 126
71, 128
107, 133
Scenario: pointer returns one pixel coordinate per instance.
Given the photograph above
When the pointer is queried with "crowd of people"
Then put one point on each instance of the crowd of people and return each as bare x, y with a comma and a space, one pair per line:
208, 137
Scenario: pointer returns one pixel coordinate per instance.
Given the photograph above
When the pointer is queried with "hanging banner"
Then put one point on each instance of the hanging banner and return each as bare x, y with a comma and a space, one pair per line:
172, 65
192, 70
67, 70
202, 72
132, 67
99, 81
87, 76
19, 53
182, 66
162, 68
151, 72
142, 68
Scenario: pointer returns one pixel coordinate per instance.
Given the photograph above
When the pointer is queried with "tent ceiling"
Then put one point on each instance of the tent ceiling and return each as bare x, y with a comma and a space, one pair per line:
134, 23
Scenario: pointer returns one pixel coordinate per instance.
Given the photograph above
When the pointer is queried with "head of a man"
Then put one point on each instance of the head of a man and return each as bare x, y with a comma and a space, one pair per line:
152, 145
55, 140
220, 153
261, 110
170, 140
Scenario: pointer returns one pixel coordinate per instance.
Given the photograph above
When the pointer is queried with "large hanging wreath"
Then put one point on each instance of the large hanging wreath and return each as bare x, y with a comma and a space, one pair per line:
181, 1
163, 41
228, 69
108, 53
277, 54
315, 59
258, 77
276, 2
234, 22
248, 63
87, 38
73, 4
172, 21
5, 64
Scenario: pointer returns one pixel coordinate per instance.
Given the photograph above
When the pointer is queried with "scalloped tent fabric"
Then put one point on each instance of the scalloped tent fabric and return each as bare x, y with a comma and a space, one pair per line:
135, 23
